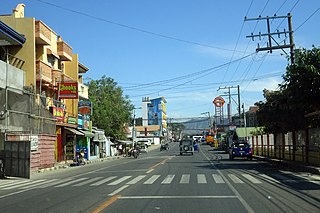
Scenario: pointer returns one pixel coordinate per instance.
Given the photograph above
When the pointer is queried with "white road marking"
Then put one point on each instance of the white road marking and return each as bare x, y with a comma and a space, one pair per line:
217, 178
118, 190
149, 171
152, 179
54, 183
38, 184
238, 195
234, 178
168, 179
201, 178
136, 180
103, 181
269, 178
119, 180
185, 179
13, 183
179, 197
251, 178
87, 181
70, 182
24, 184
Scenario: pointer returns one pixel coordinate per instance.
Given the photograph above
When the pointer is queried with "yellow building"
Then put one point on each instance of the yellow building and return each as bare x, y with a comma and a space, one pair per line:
53, 72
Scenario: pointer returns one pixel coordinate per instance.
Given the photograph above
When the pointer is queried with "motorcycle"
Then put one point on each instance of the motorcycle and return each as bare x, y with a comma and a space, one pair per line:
79, 159
134, 152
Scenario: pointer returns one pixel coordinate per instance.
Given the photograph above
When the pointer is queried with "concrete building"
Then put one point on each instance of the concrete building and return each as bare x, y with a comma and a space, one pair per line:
52, 76
154, 119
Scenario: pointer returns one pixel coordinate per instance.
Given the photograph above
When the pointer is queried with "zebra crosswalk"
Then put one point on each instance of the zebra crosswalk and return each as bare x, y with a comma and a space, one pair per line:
146, 179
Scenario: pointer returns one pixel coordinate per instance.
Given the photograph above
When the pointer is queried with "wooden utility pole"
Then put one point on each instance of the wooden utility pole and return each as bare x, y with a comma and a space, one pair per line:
272, 43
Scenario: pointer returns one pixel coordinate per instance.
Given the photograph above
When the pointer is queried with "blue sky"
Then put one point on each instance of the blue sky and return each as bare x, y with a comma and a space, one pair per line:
179, 49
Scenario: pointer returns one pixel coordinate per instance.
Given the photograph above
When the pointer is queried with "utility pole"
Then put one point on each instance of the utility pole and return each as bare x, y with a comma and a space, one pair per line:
209, 117
229, 103
275, 44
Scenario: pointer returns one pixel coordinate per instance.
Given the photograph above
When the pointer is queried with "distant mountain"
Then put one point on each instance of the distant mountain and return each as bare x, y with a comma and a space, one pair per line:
196, 126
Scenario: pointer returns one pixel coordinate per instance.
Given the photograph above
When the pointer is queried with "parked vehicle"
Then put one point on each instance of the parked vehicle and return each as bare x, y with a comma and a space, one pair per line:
240, 149
186, 146
143, 148
144, 142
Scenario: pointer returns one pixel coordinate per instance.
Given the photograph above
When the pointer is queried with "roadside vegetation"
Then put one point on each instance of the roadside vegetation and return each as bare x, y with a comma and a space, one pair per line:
111, 109
296, 105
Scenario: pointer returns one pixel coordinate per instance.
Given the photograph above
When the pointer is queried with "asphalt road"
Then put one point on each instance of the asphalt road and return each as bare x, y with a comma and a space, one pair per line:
165, 182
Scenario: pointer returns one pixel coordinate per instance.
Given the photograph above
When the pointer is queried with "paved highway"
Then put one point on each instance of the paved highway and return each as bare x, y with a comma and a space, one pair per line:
165, 182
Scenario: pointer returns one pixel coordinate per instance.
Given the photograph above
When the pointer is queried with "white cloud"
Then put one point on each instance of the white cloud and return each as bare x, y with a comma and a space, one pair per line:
260, 85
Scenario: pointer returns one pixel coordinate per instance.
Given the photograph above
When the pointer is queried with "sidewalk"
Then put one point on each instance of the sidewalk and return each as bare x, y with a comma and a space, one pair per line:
291, 165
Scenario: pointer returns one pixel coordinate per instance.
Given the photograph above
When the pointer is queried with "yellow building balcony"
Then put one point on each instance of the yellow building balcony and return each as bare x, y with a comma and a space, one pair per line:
66, 78
56, 76
64, 51
42, 33
44, 72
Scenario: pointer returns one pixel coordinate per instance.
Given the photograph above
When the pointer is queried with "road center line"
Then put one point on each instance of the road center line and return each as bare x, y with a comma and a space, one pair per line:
106, 204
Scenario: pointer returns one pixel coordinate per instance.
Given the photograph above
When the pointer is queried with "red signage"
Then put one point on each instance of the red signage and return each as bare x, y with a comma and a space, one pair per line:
218, 101
68, 90
85, 107
58, 113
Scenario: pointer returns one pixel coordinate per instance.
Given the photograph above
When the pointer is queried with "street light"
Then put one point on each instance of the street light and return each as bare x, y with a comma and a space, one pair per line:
134, 125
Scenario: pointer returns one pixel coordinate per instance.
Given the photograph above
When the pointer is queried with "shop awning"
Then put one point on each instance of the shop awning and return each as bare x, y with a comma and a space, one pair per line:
74, 131
125, 142
87, 133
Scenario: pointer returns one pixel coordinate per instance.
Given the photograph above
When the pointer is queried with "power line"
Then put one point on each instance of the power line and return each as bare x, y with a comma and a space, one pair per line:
307, 19
211, 85
134, 28
210, 70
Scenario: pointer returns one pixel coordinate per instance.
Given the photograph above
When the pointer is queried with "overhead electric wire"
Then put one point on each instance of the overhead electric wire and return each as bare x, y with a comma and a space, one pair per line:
210, 70
307, 19
235, 48
274, 31
133, 28
211, 85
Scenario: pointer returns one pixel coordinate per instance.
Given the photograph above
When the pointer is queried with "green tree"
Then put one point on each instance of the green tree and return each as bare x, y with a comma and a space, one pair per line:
111, 110
285, 110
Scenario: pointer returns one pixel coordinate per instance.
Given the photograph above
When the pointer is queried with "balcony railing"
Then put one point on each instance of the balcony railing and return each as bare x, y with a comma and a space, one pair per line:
66, 78
44, 72
42, 34
64, 51
56, 76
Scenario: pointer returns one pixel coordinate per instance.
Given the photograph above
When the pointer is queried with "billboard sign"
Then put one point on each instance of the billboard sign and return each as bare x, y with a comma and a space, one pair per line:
68, 90
85, 107
218, 101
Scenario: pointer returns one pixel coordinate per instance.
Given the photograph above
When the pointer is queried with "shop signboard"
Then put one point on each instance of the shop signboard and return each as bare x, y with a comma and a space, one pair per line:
85, 107
58, 113
68, 90
72, 120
